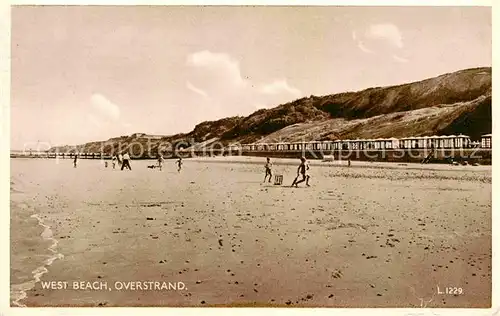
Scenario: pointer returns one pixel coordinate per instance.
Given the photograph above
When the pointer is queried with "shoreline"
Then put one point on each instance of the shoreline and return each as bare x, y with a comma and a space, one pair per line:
18, 291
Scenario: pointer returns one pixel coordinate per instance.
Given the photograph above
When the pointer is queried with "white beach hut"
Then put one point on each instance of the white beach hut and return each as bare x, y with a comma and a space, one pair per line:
486, 141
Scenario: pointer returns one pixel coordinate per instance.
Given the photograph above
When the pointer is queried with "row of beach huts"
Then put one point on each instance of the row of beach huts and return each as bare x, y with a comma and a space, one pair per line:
420, 142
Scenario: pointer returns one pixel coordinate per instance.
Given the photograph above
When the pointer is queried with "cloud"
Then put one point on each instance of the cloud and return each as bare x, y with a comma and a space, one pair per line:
105, 118
104, 107
226, 67
279, 87
383, 39
399, 59
94, 120
363, 48
196, 90
218, 77
360, 43
386, 31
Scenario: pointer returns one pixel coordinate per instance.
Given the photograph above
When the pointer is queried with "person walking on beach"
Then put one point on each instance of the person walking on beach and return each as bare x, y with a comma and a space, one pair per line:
302, 170
160, 161
179, 164
268, 167
113, 161
75, 160
126, 161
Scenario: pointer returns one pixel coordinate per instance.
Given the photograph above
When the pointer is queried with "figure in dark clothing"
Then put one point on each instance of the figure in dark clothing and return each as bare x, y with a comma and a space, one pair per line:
268, 167
302, 171
126, 162
179, 164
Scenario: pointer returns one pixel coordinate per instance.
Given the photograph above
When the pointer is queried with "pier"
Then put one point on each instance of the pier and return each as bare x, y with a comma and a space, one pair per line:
53, 155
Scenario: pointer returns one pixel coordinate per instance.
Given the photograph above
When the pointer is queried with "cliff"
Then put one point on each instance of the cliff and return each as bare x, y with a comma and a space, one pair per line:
454, 103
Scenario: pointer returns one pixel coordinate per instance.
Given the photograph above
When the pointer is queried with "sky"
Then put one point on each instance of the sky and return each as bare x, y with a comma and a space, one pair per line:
88, 73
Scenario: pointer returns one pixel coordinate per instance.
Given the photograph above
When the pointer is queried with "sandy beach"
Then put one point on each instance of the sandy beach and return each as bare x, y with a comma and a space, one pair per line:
369, 235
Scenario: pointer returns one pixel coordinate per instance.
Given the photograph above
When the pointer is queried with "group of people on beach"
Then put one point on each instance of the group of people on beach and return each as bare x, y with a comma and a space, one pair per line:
302, 170
161, 160
124, 161
121, 160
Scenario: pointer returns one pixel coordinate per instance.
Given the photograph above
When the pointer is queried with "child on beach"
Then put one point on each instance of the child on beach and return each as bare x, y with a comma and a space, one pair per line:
302, 170
160, 161
113, 161
75, 160
179, 164
268, 167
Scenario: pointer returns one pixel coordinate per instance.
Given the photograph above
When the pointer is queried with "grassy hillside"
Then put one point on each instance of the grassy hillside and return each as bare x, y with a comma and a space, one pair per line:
449, 89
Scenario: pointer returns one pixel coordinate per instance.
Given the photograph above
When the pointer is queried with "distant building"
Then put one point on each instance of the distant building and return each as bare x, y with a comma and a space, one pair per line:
147, 136
154, 136
486, 141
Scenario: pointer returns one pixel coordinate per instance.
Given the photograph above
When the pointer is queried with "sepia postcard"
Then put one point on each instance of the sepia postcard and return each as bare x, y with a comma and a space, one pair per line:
251, 156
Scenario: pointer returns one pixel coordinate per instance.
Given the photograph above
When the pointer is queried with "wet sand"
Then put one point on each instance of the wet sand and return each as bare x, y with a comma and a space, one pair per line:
372, 235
